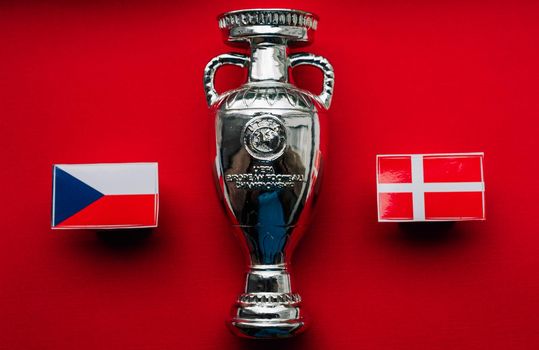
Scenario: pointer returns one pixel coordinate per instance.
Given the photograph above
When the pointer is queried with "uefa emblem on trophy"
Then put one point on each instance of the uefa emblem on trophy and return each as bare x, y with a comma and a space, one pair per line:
268, 158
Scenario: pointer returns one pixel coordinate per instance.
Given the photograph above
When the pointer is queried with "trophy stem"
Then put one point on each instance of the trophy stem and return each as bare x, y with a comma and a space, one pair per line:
268, 308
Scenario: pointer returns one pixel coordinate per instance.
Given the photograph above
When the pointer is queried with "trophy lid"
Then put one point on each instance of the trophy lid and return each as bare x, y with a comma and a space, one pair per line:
292, 25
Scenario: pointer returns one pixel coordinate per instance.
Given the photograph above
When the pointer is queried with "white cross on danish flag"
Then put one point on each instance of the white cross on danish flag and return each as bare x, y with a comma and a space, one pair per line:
430, 187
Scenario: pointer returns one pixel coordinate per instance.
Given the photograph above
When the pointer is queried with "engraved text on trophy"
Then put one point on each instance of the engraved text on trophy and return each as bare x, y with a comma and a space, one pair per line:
264, 178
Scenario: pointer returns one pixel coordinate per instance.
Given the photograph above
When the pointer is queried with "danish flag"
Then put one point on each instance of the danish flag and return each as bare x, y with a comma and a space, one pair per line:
105, 196
430, 187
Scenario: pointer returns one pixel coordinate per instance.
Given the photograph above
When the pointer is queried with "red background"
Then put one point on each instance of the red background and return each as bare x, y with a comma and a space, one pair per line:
111, 81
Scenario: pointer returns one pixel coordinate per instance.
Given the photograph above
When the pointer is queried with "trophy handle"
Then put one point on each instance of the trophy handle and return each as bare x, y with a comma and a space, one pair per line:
209, 72
323, 64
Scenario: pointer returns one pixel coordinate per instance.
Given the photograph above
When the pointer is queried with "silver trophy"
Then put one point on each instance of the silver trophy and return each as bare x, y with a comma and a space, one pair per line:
269, 148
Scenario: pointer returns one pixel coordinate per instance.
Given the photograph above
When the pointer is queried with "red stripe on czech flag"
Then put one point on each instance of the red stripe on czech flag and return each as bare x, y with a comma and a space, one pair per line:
138, 210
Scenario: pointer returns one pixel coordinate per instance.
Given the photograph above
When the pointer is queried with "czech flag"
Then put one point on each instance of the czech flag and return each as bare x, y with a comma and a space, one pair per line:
105, 196
430, 187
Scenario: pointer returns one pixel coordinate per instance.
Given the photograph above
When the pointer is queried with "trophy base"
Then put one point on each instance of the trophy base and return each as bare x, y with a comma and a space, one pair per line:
268, 309
267, 315
266, 329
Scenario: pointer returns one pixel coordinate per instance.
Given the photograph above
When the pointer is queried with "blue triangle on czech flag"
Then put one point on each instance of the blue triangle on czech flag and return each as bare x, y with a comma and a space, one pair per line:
70, 195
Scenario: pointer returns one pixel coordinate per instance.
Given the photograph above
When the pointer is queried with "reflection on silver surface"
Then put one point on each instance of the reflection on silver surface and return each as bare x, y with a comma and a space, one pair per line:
268, 158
